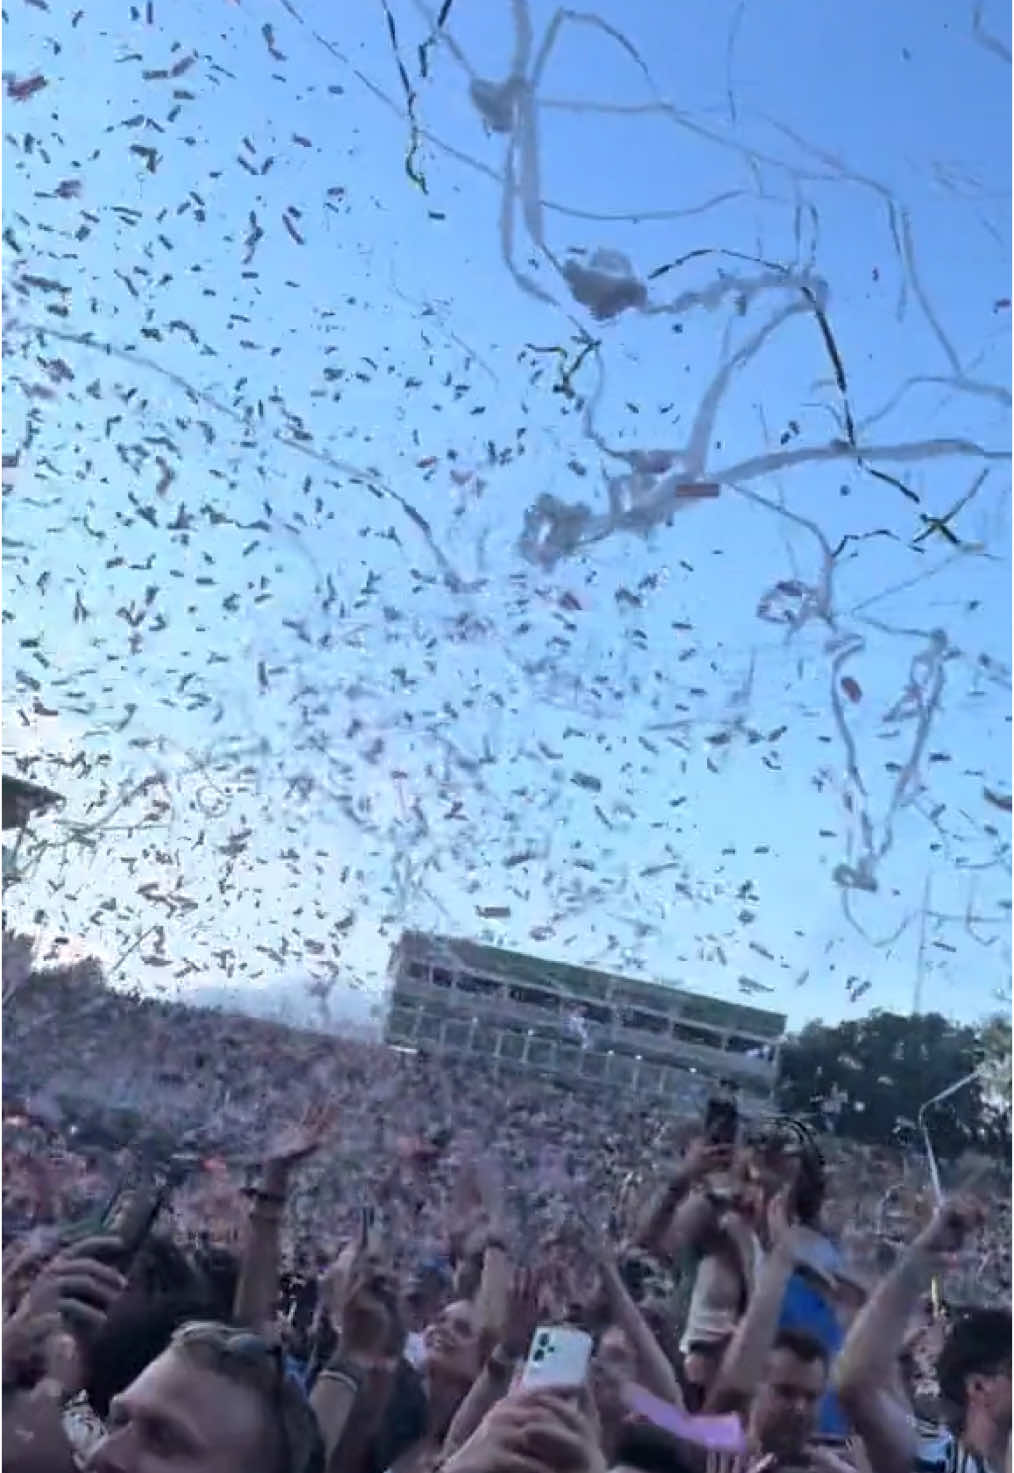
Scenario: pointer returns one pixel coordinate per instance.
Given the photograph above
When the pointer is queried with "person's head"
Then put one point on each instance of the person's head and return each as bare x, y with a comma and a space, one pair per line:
216, 1400
810, 1186
219, 1272
700, 1367
786, 1155
162, 1268
451, 1344
136, 1331
974, 1375
785, 1408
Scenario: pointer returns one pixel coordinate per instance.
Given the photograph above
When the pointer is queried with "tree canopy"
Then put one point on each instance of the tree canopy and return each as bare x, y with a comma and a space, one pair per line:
869, 1078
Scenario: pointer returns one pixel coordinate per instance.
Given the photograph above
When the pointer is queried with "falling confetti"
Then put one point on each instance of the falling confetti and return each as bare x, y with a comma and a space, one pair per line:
500, 549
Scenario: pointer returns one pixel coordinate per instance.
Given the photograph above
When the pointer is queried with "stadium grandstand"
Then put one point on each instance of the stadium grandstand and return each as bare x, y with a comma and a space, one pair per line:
458, 997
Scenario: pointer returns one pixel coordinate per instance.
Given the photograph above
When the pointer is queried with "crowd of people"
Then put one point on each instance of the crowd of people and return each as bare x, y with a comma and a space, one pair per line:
230, 1244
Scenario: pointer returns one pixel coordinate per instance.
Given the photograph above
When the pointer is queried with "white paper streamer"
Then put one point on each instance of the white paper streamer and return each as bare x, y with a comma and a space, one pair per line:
936, 1100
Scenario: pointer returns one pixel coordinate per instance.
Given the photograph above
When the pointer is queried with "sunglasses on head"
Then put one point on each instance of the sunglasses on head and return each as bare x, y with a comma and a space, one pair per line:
293, 1416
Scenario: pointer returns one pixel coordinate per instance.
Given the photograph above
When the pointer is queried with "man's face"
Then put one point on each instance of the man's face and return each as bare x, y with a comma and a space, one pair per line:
785, 1409
178, 1417
989, 1393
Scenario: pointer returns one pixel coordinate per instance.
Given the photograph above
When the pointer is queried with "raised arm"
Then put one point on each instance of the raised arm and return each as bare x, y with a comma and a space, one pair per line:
351, 1394
654, 1369
866, 1371
660, 1230
495, 1379
257, 1289
497, 1269
492, 1300
743, 1363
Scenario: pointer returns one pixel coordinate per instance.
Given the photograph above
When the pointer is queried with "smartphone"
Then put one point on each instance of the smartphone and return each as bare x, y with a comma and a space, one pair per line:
721, 1122
132, 1220
558, 1358
97, 1223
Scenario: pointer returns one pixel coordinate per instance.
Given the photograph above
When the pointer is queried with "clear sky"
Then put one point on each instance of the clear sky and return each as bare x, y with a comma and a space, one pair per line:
335, 558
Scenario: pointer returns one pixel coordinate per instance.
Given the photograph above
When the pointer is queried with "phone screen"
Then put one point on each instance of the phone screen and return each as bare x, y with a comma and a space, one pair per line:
721, 1123
96, 1223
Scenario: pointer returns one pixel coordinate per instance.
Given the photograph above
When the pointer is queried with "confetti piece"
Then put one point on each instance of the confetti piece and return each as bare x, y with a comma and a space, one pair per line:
21, 91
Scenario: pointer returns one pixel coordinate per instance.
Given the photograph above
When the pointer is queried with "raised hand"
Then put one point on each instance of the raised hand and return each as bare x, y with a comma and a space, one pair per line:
954, 1221
22, 1259
294, 1143
529, 1432
703, 1158
362, 1301
25, 1336
74, 1292
522, 1315
77, 1284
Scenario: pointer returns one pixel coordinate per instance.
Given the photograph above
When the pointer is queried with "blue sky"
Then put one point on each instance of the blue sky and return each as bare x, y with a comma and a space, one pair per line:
351, 687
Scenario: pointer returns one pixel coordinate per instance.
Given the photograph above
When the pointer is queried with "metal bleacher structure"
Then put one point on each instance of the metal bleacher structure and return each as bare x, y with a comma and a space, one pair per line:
525, 1014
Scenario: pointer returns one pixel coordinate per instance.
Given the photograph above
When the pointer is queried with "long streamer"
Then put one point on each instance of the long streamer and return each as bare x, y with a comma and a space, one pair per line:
718, 1433
936, 1100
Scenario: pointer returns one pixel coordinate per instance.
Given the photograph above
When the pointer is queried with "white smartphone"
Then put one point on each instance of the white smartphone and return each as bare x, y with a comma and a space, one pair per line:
557, 1358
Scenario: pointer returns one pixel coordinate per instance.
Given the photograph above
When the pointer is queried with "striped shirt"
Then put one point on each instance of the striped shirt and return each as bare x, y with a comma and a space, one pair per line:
939, 1451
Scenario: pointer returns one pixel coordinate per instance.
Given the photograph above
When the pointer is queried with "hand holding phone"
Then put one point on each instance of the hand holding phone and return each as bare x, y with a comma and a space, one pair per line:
558, 1359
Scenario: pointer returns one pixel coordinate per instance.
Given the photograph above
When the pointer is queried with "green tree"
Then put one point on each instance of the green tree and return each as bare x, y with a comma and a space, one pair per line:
869, 1078
995, 1043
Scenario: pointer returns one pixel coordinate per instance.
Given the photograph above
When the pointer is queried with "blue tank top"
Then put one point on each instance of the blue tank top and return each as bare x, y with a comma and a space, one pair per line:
805, 1307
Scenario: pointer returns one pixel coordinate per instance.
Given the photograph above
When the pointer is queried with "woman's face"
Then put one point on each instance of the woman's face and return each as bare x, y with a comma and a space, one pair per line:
451, 1344
613, 1367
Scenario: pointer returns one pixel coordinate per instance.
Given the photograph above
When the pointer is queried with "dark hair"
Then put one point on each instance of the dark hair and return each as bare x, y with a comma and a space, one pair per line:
979, 1343
810, 1186
219, 1271
787, 1136
136, 1333
802, 1345
161, 1267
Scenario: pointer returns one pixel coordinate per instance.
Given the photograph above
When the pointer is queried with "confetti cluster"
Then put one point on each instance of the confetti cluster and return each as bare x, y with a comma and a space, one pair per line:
505, 475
